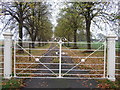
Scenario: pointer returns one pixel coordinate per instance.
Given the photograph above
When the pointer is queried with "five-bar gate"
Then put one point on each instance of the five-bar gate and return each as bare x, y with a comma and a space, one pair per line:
60, 59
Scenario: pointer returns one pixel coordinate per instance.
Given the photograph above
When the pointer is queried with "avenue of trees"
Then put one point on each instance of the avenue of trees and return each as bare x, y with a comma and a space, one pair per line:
32, 19
79, 16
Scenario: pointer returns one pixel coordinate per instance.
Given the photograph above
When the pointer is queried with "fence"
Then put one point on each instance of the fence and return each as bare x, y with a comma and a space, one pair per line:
107, 66
117, 59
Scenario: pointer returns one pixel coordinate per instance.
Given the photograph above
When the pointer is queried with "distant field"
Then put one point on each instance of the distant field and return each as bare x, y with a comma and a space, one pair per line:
94, 45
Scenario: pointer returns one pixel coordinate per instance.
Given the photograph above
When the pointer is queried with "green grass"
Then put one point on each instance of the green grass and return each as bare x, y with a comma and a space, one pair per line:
83, 45
94, 45
109, 84
12, 83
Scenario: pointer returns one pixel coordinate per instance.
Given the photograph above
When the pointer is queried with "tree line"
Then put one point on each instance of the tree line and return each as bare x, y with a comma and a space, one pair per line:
76, 19
32, 19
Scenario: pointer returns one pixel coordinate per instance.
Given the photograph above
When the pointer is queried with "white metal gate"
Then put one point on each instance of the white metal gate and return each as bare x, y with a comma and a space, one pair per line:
59, 60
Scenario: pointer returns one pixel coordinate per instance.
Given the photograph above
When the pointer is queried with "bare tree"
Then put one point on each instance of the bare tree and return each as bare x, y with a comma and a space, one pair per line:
17, 10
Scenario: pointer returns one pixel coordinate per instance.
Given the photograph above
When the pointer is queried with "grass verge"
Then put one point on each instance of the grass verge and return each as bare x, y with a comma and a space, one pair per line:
12, 83
109, 84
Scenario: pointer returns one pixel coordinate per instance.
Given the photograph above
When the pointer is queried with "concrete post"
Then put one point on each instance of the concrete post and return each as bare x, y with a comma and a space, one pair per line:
111, 57
7, 55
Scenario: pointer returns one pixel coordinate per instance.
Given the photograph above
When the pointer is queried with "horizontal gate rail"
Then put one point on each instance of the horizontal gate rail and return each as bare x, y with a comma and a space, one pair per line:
117, 48
85, 59
117, 74
58, 56
61, 63
84, 74
117, 56
31, 56
58, 42
58, 49
35, 42
117, 63
58, 69
65, 77
1, 73
117, 69
38, 74
32, 72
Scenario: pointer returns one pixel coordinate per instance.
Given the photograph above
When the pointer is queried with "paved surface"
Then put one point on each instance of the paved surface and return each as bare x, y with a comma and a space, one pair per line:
58, 83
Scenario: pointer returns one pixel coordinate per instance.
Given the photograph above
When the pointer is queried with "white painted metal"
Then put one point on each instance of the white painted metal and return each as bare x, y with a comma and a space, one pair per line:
64, 42
35, 42
61, 63
58, 69
117, 69
59, 74
117, 63
64, 77
35, 58
14, 58
118, 56
60, 57
7, 55
84, 58
111, 57
58, 49
105, 51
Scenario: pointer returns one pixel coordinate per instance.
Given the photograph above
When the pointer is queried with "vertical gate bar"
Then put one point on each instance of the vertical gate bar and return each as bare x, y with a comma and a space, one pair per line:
14, 58
104, 59
60, 43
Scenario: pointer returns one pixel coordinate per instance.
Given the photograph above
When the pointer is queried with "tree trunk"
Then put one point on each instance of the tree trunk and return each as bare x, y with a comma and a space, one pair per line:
33, 44
68, 41
20, 27
20, 34
39, 44
33, 41
119, 44
20, 37
75, 38
88, 35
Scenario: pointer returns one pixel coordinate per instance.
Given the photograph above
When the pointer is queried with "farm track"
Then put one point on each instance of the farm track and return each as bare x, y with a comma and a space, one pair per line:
57, 83
53, 66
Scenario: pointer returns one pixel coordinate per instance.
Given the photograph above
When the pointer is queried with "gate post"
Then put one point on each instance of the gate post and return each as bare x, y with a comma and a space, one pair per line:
111, 57
7, 55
